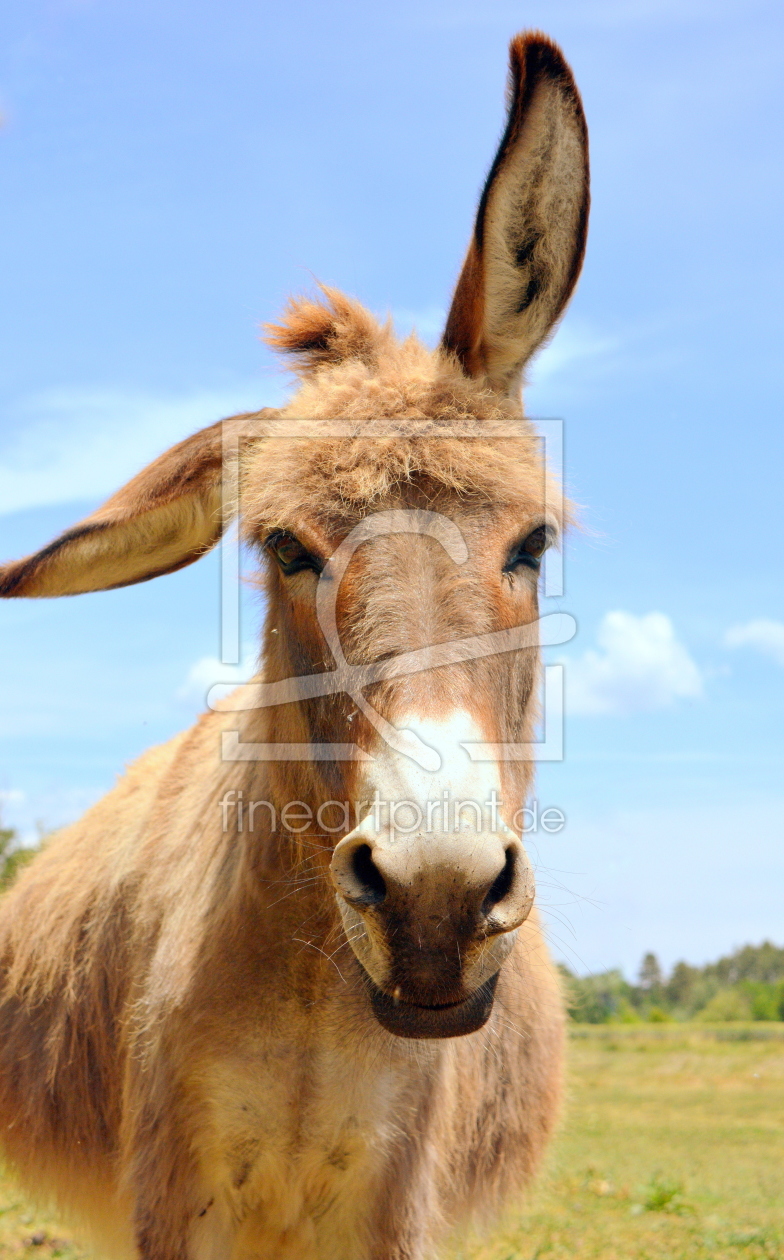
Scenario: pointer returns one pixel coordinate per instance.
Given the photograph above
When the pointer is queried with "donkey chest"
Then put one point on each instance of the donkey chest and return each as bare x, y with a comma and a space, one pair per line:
295, 1133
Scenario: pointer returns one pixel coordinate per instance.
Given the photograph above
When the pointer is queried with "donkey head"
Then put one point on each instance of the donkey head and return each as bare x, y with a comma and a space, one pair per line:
400, 504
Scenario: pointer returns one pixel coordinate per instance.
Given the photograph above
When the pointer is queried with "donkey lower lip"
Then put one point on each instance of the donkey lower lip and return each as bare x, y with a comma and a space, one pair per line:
412, 1020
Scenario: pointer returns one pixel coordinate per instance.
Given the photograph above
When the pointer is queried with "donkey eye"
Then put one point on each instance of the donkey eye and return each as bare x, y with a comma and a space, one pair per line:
530, 551
291, 555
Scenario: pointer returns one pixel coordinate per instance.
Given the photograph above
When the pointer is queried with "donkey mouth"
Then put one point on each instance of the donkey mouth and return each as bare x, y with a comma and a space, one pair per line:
414, 1020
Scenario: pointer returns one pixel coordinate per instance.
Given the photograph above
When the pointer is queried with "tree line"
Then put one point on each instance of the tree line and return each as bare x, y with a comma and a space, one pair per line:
745, 985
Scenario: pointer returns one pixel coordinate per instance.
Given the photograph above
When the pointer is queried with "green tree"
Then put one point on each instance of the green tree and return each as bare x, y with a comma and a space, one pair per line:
680, 988
763, 963
727, 1004
599, 999
765, 999
650, 979
12, 856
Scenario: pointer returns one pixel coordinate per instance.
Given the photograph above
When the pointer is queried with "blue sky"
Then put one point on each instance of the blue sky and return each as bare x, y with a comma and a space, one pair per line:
171, 171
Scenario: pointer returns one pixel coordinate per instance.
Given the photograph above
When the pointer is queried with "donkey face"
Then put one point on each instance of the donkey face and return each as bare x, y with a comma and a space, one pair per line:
424, 550
401, 508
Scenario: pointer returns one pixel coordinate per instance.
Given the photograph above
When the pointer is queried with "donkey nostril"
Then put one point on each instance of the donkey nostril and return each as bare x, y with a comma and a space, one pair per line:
502, 884
368, 877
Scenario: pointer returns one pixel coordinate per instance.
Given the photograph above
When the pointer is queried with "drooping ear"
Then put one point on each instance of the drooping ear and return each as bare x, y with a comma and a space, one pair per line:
321, 331
529, 236
164, 519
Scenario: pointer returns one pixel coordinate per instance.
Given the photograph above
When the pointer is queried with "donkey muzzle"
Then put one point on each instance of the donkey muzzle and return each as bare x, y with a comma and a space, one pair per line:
431, 919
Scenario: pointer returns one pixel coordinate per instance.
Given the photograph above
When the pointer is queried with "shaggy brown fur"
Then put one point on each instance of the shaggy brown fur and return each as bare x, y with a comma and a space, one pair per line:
190, 1062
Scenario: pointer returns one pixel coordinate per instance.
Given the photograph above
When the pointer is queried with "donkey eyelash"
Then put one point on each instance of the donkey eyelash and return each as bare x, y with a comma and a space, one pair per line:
290, 554
529, 551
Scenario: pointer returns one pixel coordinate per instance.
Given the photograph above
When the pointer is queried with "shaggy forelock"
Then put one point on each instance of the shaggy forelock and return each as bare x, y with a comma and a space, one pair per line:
361, 432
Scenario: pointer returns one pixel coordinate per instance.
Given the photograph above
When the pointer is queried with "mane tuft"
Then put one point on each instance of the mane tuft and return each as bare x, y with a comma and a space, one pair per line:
324, 330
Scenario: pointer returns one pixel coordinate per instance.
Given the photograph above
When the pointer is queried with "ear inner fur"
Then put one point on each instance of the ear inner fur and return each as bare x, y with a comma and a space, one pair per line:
165, 518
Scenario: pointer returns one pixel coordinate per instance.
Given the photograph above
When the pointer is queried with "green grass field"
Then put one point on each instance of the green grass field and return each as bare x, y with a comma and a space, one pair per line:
672, 1149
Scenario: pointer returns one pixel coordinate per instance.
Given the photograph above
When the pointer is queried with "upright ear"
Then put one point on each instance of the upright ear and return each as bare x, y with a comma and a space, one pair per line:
529, 237
165, 518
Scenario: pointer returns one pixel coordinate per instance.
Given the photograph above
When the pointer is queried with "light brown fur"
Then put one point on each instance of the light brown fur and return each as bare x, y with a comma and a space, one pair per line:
189, 1062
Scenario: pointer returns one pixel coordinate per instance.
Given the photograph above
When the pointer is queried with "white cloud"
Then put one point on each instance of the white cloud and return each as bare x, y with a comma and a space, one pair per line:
428, 323
12, 797
45, 808
11, 800
763, 634
69, 444
573, 343
210, 672
640, 666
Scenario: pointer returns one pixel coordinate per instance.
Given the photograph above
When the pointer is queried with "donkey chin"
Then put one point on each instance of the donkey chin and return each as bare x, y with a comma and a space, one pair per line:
431, 919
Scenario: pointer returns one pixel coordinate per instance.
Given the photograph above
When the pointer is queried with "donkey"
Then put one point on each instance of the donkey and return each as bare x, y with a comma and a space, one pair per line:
317, 1029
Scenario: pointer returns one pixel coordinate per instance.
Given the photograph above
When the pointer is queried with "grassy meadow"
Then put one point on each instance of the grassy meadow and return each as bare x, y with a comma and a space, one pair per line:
672, 1148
